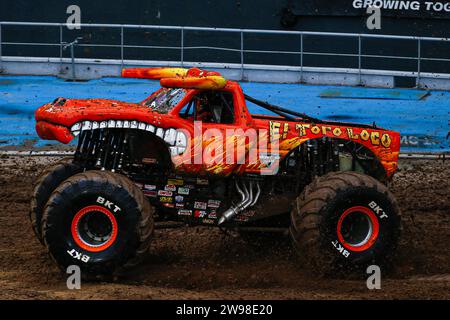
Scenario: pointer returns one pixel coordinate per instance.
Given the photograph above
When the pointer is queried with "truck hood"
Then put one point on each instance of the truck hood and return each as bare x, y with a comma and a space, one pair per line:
63, 118
67, 112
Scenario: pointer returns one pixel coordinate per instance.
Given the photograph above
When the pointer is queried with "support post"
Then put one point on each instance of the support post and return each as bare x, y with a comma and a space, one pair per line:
301, 58
242, 55
182, 47
1, 57
359, 61
419, 56
121, 47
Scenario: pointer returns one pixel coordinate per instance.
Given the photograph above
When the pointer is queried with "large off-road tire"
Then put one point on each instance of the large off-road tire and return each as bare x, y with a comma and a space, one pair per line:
345, 221
44, 186
100, 221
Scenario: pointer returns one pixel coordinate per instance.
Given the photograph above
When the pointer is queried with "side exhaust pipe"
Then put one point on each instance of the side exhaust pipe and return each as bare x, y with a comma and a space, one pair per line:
248, 199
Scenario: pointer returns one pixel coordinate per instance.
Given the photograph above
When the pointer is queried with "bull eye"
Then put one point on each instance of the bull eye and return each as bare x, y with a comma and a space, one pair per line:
181, 140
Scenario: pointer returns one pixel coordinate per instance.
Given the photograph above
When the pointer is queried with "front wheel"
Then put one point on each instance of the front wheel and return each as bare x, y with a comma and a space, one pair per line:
99, 221
345, 221
47, 182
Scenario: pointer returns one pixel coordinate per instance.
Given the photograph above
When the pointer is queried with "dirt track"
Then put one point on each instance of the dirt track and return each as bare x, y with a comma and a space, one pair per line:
200, 263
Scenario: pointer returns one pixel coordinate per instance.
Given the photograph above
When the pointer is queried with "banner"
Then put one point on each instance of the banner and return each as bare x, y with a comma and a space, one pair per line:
391, 8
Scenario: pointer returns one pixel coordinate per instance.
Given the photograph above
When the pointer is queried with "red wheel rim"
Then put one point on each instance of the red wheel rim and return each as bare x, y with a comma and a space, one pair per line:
84, 243
368, 236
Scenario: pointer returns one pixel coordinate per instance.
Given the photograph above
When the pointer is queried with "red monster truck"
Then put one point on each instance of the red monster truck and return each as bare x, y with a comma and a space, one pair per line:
191, 152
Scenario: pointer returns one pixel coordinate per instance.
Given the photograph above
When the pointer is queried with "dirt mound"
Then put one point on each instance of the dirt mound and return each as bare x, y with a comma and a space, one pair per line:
202, 263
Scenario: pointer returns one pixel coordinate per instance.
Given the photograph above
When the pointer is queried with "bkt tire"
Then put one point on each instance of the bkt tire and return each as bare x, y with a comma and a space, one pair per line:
345, 221
97, 220
47, 182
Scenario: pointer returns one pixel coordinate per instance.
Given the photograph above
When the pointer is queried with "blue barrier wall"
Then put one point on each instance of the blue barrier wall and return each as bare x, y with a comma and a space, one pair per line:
421, 117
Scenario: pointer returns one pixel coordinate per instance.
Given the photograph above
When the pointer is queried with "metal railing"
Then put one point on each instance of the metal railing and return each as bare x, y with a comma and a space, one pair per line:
183, 47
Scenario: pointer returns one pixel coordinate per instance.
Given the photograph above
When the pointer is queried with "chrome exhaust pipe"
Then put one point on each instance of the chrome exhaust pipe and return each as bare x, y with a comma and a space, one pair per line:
258, 192
247, 200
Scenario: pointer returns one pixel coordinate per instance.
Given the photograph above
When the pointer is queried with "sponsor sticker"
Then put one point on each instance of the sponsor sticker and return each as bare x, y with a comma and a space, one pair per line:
170, 187
165, 193
200, 214
150, 193
202, 181
268, 160
179, 198
213, 203
179, 205
166, 199
184, 190
184, 212
175, 182
208, 221
149, 187
200, 205
212, 215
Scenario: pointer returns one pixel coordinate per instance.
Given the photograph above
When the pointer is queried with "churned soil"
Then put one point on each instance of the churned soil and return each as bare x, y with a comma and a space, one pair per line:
204, 263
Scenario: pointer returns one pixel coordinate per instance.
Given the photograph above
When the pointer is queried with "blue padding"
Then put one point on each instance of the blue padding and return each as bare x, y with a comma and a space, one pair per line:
370, 93
423, 123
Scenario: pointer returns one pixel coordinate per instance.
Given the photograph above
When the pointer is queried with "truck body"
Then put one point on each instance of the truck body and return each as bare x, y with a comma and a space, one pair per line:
200, 157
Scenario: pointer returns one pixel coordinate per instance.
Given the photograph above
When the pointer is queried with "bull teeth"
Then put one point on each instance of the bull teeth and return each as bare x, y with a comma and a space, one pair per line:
177, 140
181, 140
160, 132
87, 125
170, 136
76, 127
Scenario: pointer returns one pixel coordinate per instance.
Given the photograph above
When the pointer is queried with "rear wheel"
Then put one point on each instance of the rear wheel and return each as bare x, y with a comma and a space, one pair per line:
345, 221
47, 182
99, 221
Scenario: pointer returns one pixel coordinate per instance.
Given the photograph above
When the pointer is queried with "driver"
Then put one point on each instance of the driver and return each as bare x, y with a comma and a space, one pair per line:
203, 110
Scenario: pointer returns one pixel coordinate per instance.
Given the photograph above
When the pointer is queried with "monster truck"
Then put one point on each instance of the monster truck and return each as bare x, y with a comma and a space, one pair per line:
192, 154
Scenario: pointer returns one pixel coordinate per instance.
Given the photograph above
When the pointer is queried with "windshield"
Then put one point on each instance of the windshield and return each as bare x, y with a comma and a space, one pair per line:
166, 99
